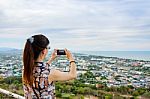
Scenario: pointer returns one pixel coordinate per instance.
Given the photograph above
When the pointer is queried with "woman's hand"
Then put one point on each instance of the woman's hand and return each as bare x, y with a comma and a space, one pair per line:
69, 55
54, 54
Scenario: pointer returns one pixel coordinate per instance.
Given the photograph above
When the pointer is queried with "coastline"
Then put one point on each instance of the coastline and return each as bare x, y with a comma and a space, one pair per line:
134, 55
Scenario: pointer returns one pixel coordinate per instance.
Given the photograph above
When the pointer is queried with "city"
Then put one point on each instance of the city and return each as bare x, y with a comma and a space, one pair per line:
111, 71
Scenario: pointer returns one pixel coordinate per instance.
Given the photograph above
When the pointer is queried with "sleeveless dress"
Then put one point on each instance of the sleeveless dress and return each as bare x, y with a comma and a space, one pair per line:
41, 88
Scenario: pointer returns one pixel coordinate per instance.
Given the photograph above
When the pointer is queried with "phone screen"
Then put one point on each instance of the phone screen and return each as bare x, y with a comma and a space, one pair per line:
61, 52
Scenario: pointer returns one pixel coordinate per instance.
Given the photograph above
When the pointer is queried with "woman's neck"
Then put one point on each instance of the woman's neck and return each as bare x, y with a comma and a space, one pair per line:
39, 60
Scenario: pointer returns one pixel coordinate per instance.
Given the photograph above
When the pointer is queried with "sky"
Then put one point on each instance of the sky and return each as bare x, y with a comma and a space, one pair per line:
79, 25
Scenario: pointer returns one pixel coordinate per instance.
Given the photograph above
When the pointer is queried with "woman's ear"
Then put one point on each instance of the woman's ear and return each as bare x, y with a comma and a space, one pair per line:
44, 51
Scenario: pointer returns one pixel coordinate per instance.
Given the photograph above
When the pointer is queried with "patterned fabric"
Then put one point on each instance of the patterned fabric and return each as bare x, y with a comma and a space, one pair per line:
41, 89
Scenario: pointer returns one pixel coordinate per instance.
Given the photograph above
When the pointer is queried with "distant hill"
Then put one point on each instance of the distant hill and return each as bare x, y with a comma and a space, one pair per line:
9, 50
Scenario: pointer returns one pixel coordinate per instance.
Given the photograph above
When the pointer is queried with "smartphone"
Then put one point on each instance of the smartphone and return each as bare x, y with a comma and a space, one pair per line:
61, 52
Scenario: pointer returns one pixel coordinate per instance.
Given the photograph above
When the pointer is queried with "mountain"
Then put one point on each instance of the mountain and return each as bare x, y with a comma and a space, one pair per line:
9, 50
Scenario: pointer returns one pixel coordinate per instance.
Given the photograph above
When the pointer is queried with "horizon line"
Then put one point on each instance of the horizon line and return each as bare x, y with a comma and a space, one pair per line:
78, 50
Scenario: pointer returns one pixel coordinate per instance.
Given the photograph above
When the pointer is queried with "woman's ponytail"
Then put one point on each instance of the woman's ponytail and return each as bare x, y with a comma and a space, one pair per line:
28, 62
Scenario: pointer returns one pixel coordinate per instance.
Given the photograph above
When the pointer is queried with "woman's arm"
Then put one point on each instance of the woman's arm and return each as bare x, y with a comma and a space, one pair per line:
57, 75
53, 56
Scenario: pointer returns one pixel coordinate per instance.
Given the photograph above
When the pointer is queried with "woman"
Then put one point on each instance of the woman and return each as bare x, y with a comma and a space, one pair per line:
38, 77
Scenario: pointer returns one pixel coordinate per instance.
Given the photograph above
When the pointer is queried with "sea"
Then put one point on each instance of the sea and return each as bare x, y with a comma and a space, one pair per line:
135, 55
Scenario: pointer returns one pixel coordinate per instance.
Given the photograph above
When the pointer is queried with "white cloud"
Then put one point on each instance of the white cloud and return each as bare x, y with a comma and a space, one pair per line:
78, 24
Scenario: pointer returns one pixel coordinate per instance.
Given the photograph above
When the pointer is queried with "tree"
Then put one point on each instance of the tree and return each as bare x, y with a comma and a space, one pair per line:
108, 96
135, 93
81, 90
58, 94
147, 95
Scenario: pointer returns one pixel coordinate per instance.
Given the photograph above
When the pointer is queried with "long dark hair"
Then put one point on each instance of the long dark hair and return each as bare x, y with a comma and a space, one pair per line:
33, 47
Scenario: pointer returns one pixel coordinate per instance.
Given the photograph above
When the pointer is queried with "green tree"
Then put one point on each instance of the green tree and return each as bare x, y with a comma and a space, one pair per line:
147, 95
135, 93
58, 94
81, 90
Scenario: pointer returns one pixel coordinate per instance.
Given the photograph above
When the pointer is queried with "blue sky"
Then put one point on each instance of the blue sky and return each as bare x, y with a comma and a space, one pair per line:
92, 25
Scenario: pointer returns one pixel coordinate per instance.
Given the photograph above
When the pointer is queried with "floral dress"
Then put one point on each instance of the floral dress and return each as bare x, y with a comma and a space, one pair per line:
41, 88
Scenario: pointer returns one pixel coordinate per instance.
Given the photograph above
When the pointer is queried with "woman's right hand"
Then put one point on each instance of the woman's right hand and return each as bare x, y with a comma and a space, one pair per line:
54, 54
69, 55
